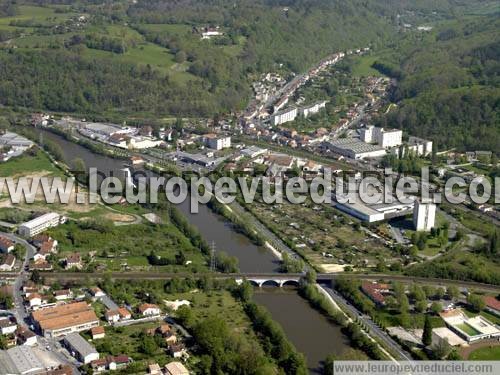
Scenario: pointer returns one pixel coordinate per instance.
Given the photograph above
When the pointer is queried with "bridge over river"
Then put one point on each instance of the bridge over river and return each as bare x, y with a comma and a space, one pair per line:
258, 279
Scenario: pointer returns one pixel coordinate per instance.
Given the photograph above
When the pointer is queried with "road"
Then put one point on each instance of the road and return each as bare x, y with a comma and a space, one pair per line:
373, 329
19, 310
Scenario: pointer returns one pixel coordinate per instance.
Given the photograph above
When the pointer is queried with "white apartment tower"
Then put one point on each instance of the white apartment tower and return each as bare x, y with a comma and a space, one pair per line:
424, 216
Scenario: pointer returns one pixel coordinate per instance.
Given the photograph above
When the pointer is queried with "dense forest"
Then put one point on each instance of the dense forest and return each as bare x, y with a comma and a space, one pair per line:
449, 85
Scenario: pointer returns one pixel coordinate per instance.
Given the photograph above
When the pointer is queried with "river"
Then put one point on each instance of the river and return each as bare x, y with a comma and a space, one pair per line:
310, 332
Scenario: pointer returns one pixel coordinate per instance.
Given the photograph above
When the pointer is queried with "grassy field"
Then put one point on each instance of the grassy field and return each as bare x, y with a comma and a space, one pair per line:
362, 66
27, 164
486, 354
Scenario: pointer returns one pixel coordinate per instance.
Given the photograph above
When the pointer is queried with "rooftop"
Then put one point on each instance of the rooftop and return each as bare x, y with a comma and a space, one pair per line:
41, 220
63, 316
79, 344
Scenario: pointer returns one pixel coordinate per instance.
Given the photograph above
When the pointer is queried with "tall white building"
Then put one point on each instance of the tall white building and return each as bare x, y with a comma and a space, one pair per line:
384, 138
217, 142
424, 216
284, 116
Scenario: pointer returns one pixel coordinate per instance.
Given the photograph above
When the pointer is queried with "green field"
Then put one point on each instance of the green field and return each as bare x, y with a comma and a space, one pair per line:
26, 164
362, 66
486, 354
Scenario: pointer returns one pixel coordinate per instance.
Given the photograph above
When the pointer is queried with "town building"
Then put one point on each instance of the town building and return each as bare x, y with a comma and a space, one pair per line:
284, 116
7, 263
312, 109
217, 142
471, 329
80, 348
155, 369
419, 146
424, 216
176, 368
20, 360
63, 294
26, 336
7, 326
177, 350
73, 261
41, 223
375, 291
384, 138
492, 305
148, 309
6, 245
98, 333
253, 151
355, 149
64, 319
110, 363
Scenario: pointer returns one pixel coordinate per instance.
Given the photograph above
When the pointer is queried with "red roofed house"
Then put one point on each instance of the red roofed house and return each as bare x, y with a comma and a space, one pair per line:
148, 309
492, 305
124, 313
6, 245
98, 332
374, 291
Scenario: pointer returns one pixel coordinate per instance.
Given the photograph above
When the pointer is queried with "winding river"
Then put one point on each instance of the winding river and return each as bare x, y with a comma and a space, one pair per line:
308, 330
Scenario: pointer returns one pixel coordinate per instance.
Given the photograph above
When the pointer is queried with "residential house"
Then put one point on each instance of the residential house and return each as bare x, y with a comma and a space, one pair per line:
6, 245
73, 261
41, 265
35, 300
374, 291
148, 309
112, 316
26, 336
170, 338
154, 369
7, 263
177, 350
176, 368
110, 363
97, 332
97, 292
7, 326
492, 305
124, 313
63, 294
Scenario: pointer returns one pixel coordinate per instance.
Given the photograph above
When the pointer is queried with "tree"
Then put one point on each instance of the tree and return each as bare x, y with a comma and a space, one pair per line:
35, 276
494, 245
421, 306
476, 302
328, 365
452, 292
180, 57
148, 345
427, 334
439, 293
436, 307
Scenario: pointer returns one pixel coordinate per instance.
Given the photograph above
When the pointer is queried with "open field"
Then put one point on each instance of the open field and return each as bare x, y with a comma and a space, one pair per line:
487, 353
27, 163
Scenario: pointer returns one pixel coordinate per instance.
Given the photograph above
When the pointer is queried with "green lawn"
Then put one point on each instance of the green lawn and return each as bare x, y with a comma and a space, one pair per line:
486, 354
26, 164
471, 331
